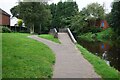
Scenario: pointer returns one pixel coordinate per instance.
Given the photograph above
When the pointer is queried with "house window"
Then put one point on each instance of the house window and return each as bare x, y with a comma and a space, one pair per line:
102, 24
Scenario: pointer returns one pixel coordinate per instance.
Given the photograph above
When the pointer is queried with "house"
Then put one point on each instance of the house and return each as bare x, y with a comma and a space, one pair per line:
102, 23
13, 21
4, 18
97, 22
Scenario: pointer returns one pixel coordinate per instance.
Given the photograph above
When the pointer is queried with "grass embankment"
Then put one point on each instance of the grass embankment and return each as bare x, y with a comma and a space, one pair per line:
49, 37
23, 57
99, 65
0, 55
100, 36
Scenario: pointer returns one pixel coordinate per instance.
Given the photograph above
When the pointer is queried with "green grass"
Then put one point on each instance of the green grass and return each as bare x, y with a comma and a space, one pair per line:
23, 57
0, 55
49, 37
99, 65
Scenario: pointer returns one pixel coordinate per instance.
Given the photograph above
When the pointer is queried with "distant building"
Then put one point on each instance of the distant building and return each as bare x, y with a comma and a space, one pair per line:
4, 18
13, 21
97, 23
102, 23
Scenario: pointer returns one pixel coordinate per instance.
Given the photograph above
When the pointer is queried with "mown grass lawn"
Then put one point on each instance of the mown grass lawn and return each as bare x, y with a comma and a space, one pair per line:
0, 55
49, 37
105, 71
23, 57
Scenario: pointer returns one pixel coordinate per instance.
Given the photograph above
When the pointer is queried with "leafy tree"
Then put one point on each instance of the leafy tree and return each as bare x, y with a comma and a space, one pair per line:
34, 14
93, 12
20, 22
78, 24
85, 20
108, 17
62, 13
54, 17
115, 23
15, 11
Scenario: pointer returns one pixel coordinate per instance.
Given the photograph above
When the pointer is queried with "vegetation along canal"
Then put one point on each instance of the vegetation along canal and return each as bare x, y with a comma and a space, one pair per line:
109, 52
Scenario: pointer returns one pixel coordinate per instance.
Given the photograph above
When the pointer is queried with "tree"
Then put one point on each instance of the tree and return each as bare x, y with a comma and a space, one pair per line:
115, 23
108, 17
93, 12
78, 24
34, 14
53, 12
86, 19
15, 10
20, 22
62, 13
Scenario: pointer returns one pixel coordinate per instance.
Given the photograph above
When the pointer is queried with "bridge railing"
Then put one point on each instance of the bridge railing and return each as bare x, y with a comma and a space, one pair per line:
69, 33
71, 36
62, 29
54, 32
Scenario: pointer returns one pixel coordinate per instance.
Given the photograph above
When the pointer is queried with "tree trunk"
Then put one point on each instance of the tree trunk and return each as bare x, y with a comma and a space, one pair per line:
32, 29
40, 30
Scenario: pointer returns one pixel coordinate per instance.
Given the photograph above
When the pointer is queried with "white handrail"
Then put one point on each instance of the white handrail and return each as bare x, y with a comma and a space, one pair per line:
71, 36
55, 30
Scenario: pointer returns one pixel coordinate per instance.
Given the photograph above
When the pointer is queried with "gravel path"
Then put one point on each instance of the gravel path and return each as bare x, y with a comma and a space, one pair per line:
69, 62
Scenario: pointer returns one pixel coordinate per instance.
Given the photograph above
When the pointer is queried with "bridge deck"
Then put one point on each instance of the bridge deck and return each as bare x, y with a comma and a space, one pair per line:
69, 62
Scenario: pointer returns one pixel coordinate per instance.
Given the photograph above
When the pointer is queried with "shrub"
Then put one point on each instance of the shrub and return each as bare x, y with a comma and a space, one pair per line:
5, 29
20, 22
0, 29
95, 29
94, 36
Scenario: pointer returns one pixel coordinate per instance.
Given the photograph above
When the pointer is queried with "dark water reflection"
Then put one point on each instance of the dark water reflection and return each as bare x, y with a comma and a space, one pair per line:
110, 52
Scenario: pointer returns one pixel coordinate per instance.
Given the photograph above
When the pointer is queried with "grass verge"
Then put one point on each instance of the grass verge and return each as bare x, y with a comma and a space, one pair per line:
0, 55
105, 71
23, 57
49, 37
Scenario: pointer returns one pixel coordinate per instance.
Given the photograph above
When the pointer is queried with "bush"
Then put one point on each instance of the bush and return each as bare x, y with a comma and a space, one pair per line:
95, 29
94, 36
5, 30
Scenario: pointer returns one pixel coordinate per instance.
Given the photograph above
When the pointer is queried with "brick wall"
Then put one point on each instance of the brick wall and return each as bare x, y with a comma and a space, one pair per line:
4, 20
105, 24
99, 24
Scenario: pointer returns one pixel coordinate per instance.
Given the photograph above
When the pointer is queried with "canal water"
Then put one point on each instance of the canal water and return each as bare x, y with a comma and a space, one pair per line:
110, 52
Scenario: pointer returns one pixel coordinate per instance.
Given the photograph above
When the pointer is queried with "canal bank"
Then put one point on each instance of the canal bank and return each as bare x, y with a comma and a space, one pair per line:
102, 45
100, 66
102, 52
109, 52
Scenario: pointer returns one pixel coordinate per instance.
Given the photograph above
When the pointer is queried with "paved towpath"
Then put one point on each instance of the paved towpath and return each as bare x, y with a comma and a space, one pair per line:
69, 62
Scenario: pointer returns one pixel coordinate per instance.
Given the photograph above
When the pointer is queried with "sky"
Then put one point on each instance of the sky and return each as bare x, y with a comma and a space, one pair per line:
6, 5
84, 3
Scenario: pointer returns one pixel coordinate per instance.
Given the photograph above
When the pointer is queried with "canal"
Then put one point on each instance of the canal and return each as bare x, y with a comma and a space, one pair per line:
110, 52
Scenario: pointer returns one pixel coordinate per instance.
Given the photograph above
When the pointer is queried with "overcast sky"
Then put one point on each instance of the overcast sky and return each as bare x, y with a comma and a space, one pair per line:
6, 5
